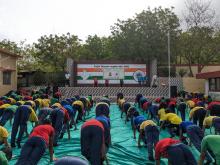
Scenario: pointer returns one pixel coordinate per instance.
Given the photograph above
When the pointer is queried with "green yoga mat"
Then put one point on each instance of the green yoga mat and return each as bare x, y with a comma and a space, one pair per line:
124, 148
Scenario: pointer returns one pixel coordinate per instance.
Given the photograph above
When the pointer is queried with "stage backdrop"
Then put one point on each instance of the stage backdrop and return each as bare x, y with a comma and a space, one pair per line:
130, 73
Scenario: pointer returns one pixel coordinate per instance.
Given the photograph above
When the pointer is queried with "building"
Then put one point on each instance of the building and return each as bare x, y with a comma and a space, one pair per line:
212, 83
8, 71
193, 84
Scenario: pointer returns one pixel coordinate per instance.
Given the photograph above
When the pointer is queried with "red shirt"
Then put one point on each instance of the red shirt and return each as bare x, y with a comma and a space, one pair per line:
195, 100
212, 103
44, 132
93, 122
145, 106
160, 149
172, 103
66, 115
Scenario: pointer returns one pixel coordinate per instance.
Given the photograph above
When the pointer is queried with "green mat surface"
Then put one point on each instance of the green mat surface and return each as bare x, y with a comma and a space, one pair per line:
124, 148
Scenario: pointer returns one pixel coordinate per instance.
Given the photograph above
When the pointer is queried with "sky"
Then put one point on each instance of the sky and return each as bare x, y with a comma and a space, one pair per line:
30, 19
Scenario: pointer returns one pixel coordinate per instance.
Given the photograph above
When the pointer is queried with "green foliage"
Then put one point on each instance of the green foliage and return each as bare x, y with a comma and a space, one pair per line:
53, 50
182, 72
145, 36
138, 39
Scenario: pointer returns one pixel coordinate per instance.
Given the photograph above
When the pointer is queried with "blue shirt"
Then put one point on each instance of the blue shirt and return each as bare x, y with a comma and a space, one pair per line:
138, 120
69, 109
104, 119
185, 124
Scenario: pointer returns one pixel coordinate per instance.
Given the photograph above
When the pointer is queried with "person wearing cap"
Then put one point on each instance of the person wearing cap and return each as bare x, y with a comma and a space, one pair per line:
70, 160
149, 133
22, 115
177, 153
197, 114
172, 122
210, 143
93, 142
37, 143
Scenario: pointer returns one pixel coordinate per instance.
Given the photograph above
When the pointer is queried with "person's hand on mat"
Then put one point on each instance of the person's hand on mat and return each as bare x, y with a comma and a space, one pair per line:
54, 159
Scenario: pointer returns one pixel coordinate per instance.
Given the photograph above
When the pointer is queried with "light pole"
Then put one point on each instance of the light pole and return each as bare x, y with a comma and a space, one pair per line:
168, 38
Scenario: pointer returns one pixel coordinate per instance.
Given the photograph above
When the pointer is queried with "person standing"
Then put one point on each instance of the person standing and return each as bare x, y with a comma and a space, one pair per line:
95, 84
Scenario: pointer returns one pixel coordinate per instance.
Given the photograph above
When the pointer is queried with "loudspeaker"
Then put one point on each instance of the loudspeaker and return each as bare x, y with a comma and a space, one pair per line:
173, 91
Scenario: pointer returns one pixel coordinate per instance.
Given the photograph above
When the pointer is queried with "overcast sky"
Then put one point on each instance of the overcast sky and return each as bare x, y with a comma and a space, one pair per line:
30, 19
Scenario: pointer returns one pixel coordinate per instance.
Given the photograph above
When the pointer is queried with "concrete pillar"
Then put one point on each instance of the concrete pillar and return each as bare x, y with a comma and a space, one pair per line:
153, 69
70, 70
206, 87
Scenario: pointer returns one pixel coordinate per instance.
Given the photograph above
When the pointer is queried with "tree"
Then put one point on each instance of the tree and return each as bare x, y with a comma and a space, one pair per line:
145, 36
198, 44
96, 48
26, 51
53, 50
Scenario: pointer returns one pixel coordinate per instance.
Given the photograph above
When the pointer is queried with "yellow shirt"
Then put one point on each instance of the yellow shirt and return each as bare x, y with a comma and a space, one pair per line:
39, 101
120, 102
33, 116
193, 111
5, 106
162, 114
22, 102
3, 133
208, 120
45, 102
13, 101
146, 123
190, 103
172, 118
78, 102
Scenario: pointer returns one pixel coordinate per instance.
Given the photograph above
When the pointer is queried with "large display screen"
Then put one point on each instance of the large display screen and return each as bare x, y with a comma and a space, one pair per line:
129, 73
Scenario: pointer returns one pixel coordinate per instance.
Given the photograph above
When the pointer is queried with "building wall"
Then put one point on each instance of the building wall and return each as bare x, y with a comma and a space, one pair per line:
191, 84
8, 62
209, 68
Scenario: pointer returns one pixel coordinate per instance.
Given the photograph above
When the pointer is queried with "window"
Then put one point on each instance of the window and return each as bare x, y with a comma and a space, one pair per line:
212, 84
6, 78
218, 84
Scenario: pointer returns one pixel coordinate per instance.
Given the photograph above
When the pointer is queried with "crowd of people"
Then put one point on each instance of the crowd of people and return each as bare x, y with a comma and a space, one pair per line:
189, 120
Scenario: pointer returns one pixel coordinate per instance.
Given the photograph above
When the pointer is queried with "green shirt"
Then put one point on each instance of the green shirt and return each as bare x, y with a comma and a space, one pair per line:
3, 159
12, 108
212, 142
53, 101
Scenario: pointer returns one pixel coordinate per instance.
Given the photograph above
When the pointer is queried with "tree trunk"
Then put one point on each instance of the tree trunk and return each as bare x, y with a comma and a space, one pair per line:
190, 70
